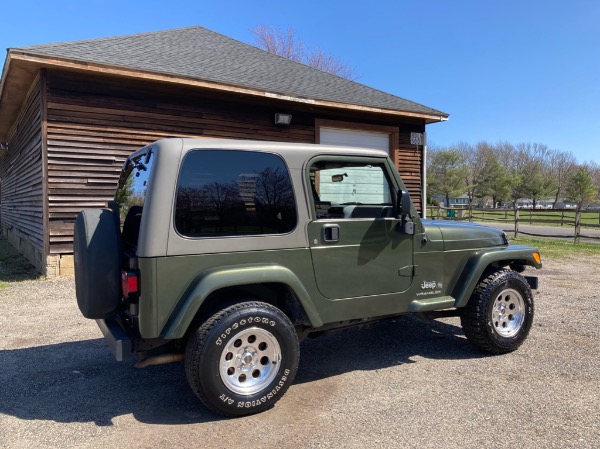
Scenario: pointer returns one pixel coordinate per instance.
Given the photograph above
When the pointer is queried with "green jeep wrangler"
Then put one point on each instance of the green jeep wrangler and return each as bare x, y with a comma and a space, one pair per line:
226, 254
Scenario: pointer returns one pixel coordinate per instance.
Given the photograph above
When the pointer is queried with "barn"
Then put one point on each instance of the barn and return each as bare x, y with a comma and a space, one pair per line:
70, 113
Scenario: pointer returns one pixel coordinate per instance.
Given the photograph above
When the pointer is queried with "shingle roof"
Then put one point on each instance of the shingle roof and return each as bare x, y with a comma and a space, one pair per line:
202, 54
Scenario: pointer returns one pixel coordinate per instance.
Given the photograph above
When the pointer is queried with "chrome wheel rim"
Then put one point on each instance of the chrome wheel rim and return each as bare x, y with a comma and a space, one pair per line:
250, 361
508, 313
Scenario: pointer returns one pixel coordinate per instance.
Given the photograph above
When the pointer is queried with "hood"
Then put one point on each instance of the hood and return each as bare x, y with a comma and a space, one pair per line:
458, 236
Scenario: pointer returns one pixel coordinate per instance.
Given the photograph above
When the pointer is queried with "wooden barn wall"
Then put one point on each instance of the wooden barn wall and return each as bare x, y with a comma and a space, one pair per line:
21, 192
409, 162
94, 124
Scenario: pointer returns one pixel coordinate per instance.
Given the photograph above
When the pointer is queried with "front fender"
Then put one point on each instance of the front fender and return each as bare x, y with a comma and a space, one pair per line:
477, 264
212, 280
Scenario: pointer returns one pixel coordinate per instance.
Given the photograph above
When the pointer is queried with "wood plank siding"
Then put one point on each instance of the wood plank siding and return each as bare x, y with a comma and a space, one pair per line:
21, 174
94, 123
409, 162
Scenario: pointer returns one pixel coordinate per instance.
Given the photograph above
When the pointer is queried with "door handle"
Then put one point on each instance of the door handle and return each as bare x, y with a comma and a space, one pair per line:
331, 233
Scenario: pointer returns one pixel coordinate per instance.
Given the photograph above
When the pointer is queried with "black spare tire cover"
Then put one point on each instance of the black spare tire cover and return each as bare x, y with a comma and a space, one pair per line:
96, 248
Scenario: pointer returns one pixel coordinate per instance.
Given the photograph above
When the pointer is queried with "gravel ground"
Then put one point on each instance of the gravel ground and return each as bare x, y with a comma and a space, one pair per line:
406, 383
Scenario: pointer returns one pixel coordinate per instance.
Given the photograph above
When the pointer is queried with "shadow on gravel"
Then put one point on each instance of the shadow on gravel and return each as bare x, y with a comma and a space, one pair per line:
383, 345
81, 382
13, 266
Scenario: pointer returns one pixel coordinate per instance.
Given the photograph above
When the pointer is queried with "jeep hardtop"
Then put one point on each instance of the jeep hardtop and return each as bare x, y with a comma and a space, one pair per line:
225, 254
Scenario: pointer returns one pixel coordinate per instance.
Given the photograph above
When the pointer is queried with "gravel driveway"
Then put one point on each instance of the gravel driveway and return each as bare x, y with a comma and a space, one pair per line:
400, 384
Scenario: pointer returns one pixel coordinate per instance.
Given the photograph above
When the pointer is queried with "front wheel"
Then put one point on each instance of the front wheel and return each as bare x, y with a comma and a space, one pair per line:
242, 359
499, 314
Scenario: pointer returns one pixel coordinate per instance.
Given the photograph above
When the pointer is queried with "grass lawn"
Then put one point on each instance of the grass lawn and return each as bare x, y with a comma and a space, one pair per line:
13, 266
557, 249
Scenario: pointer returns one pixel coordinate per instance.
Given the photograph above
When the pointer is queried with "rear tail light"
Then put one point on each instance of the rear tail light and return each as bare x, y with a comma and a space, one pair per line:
129, 283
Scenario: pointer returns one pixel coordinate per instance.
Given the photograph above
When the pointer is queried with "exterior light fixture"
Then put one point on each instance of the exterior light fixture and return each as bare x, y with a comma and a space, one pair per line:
283, 119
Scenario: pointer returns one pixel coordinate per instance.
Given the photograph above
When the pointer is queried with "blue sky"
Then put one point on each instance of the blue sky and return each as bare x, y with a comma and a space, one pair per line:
519, 71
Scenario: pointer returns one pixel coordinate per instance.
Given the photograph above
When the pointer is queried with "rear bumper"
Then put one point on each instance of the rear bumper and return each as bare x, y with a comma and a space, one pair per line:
117, 337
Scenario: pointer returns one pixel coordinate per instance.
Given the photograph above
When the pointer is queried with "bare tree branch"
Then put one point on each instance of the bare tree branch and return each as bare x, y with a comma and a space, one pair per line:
288, 45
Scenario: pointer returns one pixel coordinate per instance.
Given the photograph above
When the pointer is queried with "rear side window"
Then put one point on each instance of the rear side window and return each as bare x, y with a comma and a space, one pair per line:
226, 192
133, 183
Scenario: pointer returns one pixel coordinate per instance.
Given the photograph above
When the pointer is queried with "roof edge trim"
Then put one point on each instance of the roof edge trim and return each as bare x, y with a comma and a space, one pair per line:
5, 70
76, 65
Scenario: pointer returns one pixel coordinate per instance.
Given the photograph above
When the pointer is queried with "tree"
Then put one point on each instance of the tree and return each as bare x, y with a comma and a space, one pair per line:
562, 163
494, 181
580, 187
536, 184
286, 44
536, 180
595, 172
486, 175
447, 172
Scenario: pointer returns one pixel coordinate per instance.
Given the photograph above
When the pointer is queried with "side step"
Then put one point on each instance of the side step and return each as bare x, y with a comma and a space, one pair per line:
431, 304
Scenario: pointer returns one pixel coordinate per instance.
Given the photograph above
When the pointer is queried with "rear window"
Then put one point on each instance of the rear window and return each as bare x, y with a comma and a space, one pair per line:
228, 193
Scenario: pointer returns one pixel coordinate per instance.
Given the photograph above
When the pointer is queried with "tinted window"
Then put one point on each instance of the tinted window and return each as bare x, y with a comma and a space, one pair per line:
223, 192
133, 183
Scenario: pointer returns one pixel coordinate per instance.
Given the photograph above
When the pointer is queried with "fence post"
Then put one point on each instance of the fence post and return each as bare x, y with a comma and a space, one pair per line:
530, 216
577, 225
562, 217
516, 223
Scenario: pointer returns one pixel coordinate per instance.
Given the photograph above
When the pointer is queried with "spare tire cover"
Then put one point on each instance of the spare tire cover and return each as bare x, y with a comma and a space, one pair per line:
96, 248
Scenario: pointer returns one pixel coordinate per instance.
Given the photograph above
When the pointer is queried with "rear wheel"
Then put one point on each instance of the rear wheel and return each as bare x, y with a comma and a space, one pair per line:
242, 359
499, 314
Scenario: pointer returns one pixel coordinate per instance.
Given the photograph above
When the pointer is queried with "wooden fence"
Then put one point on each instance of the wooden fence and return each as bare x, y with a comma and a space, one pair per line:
542, 217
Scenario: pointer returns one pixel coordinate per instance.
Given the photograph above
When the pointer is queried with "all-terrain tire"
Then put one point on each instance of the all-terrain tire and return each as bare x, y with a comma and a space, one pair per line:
96, 250
242, 359
499, 314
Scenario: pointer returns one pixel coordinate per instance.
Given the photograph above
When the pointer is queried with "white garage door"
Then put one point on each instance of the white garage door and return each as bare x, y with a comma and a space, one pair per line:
352, 138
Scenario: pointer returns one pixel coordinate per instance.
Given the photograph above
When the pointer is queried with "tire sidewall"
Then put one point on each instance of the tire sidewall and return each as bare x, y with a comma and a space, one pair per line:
510, 280
226, 330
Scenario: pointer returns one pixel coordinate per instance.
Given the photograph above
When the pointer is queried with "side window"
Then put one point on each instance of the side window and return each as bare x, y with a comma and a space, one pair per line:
224, 192
133, 183
351, 190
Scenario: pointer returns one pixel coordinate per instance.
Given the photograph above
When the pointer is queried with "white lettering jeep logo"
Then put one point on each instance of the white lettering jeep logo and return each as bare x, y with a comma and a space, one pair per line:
428, 284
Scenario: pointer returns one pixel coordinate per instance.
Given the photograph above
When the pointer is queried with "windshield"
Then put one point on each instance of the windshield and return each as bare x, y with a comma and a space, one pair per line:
133, 183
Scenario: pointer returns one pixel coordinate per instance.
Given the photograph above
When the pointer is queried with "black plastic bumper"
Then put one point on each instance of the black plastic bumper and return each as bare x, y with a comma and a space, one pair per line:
532, 281
117, 337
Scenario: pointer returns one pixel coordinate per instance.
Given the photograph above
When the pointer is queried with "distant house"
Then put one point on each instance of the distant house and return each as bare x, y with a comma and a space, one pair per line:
461, 200
70, 113
565, 204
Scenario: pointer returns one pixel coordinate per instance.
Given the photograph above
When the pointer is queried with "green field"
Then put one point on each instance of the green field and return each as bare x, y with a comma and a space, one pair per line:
557, 249
526, 216
541, 217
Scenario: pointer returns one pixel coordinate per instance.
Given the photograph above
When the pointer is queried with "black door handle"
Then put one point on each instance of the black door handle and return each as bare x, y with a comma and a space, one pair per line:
331, 233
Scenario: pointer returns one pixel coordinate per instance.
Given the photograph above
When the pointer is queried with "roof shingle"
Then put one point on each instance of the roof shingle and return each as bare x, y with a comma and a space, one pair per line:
202, 54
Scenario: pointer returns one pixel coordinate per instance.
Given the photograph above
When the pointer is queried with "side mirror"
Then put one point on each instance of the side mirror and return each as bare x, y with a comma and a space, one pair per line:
403, 203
